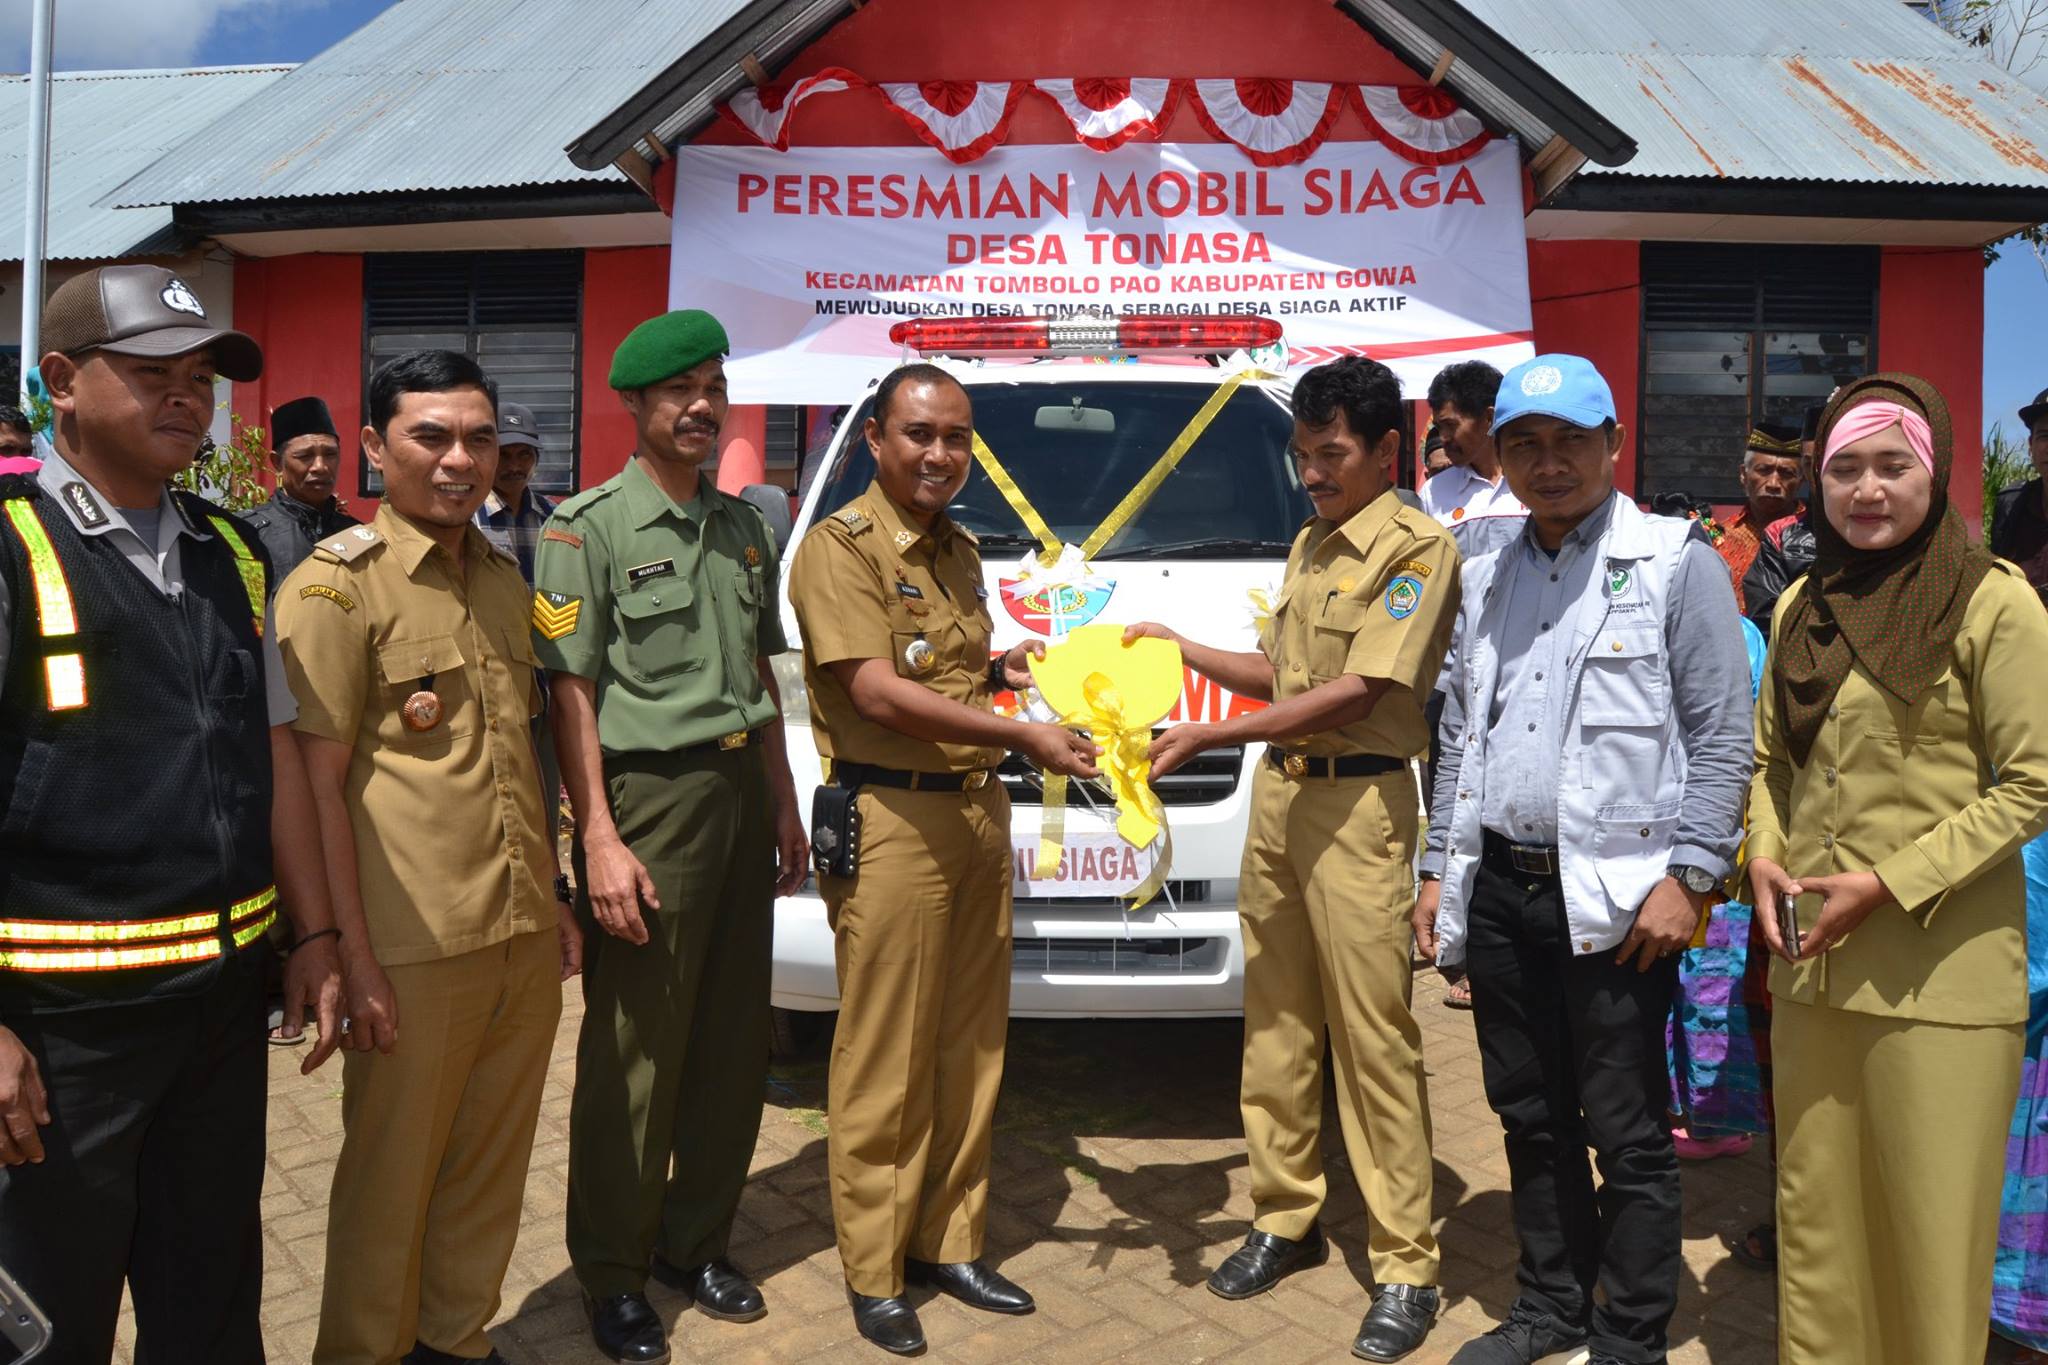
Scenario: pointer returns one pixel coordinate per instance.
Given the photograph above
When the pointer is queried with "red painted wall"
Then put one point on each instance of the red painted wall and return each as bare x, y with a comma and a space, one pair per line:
935, 40
621, 290
1930, 322
1586, 299
307, 312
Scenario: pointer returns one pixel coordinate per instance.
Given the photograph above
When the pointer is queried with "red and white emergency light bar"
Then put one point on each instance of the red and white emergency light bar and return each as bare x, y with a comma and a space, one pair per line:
1013, 336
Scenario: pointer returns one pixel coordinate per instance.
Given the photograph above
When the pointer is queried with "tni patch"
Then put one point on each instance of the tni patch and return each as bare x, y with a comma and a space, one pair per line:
555, 614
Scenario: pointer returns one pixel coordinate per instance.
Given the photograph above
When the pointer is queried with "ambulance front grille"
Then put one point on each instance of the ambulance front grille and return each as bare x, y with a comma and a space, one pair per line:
1205, 780
1118, 956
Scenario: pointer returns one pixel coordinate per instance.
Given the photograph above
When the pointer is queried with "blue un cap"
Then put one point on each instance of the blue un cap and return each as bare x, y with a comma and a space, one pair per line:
1566, 387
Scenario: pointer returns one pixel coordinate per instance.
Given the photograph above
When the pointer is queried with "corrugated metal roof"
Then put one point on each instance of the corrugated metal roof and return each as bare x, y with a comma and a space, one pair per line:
436, 95
1788, 89
104, 127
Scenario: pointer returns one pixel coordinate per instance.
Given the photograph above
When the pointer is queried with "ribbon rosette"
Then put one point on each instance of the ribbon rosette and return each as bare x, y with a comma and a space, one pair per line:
1117, 693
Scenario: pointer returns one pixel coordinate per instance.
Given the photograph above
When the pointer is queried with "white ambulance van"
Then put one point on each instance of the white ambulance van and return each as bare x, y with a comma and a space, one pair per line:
1078, 412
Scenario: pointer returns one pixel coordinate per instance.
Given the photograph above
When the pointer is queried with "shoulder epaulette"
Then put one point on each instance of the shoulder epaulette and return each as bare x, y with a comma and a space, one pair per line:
853, 519
348, 546
574, 504
17, 486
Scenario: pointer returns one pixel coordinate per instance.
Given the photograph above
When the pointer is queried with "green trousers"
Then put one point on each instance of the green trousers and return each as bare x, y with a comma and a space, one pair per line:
672, 1063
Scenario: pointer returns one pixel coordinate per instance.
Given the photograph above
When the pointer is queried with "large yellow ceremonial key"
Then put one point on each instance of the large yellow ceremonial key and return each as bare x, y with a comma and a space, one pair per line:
1117, 692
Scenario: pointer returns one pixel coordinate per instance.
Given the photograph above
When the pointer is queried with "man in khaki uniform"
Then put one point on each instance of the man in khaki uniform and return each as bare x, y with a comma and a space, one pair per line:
1350, 654
888, 594
405, 642
655, 614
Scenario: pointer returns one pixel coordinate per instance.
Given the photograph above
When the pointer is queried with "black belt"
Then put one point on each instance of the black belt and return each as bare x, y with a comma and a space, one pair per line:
869, 775
1348, 765
1526, 860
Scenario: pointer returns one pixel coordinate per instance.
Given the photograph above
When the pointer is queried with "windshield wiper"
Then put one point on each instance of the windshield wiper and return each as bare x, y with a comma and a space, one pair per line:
1208, 547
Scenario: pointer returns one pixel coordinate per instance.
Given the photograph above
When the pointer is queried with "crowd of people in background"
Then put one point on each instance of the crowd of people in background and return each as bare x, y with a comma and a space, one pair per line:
1730, 829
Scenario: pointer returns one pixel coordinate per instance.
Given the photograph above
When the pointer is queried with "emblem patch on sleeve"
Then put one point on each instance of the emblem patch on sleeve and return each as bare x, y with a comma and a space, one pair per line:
1404, 595
568, 538
555, 614
334, 595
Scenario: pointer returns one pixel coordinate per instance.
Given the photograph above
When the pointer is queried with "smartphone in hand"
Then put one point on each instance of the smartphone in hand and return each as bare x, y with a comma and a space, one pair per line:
1788, 920
23, 1328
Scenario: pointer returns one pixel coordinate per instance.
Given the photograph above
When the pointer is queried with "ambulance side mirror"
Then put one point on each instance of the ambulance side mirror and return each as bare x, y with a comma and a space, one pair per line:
774, 504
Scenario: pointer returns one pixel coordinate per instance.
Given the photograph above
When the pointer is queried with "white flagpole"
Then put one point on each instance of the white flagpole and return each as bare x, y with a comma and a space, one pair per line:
37, 228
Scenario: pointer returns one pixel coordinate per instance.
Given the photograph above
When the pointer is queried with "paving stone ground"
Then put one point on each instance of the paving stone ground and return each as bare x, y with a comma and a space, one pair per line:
1119, 1182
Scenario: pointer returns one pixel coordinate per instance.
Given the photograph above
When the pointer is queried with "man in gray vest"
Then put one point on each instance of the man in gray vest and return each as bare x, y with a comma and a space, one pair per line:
305, 453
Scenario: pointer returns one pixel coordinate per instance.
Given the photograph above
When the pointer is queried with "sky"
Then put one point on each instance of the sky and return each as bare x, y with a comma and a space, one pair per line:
93, 34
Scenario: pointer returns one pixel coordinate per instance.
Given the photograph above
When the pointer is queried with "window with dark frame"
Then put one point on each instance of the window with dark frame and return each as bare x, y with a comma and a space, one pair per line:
519, 314
1740, 333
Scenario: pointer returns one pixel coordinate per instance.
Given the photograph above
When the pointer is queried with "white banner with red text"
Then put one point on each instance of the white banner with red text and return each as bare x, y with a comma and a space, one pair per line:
809, 256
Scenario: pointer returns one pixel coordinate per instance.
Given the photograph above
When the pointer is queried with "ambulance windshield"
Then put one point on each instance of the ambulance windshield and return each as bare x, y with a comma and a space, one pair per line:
1234, 495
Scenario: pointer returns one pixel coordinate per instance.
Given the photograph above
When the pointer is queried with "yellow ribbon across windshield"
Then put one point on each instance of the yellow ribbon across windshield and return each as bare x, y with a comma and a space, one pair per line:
1133, 502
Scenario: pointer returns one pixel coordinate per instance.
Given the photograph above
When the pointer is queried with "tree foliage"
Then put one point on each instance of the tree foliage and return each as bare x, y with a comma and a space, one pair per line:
2006, 462
230, 474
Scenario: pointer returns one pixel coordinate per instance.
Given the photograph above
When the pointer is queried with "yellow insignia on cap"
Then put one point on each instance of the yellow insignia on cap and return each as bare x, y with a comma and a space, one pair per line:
555, 614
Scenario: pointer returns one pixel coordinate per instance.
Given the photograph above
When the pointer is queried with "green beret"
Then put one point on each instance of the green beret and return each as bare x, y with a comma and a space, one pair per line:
665, 346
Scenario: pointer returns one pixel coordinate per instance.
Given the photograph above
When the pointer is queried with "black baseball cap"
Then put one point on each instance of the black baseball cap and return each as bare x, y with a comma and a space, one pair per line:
516, 426
2034, 410
142, 310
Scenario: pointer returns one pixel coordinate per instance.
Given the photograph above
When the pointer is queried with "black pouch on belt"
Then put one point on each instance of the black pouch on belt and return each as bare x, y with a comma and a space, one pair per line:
835, 831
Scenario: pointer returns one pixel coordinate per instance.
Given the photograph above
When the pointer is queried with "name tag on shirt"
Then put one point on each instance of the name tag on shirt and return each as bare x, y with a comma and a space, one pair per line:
909, 590
640, 573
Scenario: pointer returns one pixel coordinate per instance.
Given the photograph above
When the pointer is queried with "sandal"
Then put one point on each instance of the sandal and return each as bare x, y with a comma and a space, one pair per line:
1758, 1248
1459, 994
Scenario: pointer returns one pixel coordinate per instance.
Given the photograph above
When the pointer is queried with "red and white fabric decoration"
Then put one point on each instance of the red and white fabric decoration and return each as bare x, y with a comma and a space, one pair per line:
1108, 111
1274, 122
1421, 122
963, 119
765, 112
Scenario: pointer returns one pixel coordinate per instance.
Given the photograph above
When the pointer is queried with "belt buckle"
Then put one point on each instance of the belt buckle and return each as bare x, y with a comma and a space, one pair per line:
975, 780
736, 740
1537, 862
1295, 765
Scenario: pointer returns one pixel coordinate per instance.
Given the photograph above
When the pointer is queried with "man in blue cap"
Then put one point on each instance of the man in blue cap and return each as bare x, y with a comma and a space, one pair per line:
1596, 750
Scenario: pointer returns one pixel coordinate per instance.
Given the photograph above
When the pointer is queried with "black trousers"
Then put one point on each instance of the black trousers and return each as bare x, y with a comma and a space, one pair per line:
1572, 1053
152, 1174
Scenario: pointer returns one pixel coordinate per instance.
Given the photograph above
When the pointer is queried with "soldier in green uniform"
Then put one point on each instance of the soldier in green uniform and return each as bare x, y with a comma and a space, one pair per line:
655, 612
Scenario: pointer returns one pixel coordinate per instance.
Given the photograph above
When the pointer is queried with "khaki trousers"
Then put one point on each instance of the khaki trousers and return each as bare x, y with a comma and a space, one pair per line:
923, 950
1891, 1156
1324, 896
429, 1186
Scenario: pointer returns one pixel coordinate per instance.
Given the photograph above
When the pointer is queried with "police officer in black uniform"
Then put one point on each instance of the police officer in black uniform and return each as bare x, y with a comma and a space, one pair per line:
154, 821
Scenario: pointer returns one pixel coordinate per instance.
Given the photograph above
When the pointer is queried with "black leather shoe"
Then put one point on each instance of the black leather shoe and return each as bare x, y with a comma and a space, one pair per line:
627, 1329
971, 1282
1528, 1335
718, 1290
889, 1323
1401, 1317
1264, 1260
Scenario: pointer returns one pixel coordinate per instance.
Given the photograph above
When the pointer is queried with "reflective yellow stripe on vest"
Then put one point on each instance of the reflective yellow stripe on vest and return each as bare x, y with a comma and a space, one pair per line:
31, 945
63, 674
246, 564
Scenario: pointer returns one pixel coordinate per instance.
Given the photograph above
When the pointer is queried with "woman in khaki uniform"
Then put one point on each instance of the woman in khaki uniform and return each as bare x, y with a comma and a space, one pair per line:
1900, 765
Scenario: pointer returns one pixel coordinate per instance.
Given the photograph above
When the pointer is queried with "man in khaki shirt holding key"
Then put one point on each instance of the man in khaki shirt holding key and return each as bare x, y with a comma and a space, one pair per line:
406, 643
1350, 654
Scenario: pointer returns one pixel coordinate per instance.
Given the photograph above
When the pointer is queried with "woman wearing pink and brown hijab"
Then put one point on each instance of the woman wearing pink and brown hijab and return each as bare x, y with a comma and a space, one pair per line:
1901, 762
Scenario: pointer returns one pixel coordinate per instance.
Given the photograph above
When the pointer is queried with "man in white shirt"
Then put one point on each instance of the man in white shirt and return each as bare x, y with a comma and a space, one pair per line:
1470, 498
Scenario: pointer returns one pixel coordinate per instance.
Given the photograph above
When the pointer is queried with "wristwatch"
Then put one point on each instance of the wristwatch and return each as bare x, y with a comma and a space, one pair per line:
1697, 880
